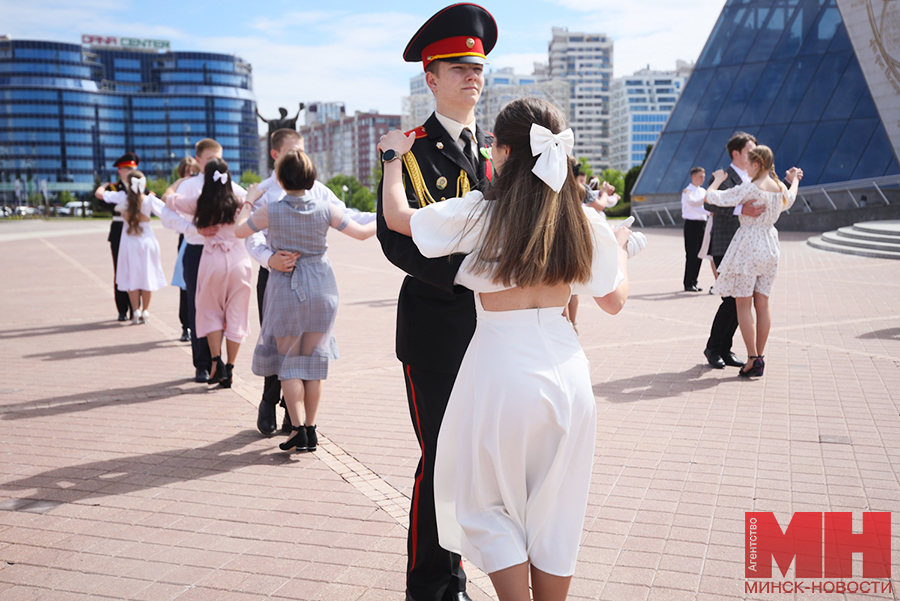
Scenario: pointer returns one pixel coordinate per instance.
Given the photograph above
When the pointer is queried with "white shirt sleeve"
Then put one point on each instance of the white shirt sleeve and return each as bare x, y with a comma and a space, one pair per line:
170, 219
114, 198
605, 273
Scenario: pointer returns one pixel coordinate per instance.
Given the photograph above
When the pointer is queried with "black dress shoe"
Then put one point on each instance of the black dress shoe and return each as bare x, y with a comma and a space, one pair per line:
265, 418
693, 288
185, 335
463, 596
201, 375
730, 359
123, 317
714, 359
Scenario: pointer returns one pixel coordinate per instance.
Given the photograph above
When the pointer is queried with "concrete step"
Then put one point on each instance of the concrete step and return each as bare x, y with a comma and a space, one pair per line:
820, 243
858, 234
884, 228
870, 243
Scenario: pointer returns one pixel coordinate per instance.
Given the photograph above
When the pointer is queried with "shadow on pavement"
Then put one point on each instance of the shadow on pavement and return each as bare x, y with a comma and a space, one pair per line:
59, 329
885, 334
103, 351
124, 475
86, 401
658, 385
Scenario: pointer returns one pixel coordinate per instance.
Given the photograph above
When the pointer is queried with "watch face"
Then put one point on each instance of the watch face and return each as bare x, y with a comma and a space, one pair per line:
389, 155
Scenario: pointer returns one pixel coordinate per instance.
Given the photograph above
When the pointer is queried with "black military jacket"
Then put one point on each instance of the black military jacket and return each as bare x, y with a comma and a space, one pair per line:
435, 319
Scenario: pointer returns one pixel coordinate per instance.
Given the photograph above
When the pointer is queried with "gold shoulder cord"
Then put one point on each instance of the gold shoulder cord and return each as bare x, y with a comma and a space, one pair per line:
462, 184
418, 182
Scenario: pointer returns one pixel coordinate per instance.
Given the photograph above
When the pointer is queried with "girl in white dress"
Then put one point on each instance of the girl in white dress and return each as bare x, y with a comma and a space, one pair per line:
748, 269
139, 271
516, 444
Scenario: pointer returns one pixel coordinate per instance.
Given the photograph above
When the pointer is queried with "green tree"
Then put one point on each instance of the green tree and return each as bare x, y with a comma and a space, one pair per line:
65, 197
250, 176
586, 169
357, 196
158, 185
614, 177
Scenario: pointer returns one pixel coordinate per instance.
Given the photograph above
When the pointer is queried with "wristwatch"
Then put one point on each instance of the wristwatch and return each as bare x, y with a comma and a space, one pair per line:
389, 155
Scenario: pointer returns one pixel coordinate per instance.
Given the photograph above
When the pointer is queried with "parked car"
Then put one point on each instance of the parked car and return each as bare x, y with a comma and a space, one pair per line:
25, 210
75, 208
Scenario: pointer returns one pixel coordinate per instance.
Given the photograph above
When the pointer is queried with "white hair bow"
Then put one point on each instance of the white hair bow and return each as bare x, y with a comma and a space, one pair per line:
218, 176
138, 184
553, 164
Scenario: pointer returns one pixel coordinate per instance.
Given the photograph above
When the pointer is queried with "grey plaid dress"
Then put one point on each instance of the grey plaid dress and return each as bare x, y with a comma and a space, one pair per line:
301, 302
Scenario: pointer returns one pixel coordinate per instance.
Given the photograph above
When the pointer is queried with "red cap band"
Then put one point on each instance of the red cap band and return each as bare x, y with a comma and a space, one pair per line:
454, 47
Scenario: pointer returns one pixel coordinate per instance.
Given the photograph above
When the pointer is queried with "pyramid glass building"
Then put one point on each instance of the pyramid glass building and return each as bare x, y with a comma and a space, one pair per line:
815, 80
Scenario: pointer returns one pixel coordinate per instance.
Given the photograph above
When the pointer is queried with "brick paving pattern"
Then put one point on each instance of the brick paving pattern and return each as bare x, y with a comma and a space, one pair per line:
123, 479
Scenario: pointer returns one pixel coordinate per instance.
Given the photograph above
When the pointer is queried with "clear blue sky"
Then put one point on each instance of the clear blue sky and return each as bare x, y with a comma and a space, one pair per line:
350, 51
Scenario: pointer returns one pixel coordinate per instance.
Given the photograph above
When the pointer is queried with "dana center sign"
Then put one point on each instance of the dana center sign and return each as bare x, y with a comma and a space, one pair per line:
112, 41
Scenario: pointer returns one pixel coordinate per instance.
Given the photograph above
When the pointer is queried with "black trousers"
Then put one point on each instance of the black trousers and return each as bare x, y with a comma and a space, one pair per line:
123, 304
182, 299
432, 572
271, 385
725, 323
693, 240
191, 266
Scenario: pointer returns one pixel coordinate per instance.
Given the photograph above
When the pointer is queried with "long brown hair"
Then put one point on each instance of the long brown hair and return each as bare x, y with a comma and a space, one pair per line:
534, 235
766, 158
217, 203
135, 200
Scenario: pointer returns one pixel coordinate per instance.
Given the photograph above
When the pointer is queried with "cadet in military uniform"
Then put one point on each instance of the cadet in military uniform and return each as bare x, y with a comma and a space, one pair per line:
435, 319
127, 163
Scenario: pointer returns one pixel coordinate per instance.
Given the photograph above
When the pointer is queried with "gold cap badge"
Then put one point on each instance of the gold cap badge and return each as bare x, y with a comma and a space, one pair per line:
470, 43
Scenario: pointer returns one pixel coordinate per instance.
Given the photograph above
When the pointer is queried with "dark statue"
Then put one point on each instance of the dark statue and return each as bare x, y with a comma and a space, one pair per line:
275, 124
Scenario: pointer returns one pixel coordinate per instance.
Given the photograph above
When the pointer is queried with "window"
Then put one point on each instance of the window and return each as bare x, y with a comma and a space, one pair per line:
62, 55
127, 63
127, 76
27, 95
201, 64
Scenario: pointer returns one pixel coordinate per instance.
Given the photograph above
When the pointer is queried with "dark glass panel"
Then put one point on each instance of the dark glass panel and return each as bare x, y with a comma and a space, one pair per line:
713, 98
877, 156
793, 89
847, 92
771, 32
765, 93
722, 39
743, 37
866, 106
744, 85
818, 152
822, 33
841, 40
823, 85
792, 145
678, 172
27, 95
770, 135
804, 18
849, 148
656, 167
712, 154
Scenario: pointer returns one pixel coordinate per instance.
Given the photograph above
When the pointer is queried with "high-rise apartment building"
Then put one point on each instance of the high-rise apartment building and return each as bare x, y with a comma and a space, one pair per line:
323, 112
640, 105
500, 87
347, 146
67, 111
585, 60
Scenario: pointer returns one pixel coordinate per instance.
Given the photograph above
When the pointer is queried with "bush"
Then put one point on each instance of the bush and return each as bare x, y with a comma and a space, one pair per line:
358, 197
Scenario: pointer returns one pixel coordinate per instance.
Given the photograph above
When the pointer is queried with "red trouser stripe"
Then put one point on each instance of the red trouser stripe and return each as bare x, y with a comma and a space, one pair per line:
415, 510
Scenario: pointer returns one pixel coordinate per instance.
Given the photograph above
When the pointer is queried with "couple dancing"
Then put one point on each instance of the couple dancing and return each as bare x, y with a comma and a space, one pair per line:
745, 200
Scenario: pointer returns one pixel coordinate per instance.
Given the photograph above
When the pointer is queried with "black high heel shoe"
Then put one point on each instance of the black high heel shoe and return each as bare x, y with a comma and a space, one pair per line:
227, 376
297, 441
311, 439
756, 370
219, 373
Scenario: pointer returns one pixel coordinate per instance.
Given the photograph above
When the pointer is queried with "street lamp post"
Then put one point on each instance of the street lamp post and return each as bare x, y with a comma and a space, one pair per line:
344, 190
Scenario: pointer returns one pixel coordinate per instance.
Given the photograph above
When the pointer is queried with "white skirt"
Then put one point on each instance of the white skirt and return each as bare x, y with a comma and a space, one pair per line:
138, 266
516, 445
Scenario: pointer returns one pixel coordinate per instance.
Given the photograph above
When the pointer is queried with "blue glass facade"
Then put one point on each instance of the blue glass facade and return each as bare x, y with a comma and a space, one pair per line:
784, 71
67, 111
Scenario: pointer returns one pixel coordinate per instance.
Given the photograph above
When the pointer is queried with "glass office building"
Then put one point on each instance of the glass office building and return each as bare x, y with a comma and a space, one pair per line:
68, 111
787, 72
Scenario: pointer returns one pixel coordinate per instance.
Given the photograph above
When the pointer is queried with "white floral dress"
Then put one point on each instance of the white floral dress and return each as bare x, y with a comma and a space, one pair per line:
751, 261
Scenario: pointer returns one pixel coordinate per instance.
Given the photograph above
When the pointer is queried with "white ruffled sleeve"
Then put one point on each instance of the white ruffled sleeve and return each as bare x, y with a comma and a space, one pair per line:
449, 227
731, 197
605, 273
114, 197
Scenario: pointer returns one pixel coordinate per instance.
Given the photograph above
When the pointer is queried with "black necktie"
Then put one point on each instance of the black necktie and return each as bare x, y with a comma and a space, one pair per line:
466, 137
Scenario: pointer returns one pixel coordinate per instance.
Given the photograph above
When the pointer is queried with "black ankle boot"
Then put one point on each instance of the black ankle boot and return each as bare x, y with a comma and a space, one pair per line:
311, 439
297, 441
227, 376
220, 368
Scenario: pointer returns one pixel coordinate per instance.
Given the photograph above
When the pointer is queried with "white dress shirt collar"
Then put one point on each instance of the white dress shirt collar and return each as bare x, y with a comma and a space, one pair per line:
454, 128
743, 174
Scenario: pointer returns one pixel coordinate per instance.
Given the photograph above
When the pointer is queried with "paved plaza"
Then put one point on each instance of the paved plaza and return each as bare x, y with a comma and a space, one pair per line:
121, 478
